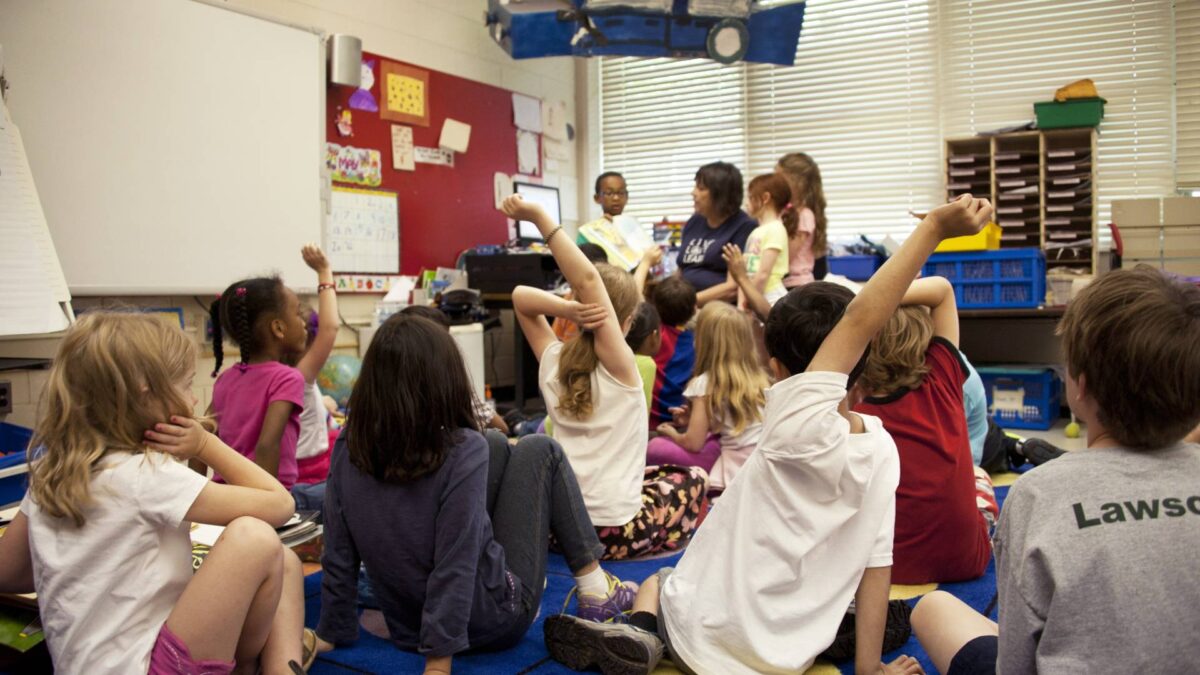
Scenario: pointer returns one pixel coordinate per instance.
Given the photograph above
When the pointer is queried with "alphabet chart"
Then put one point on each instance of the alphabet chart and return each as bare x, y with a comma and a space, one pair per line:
363, 231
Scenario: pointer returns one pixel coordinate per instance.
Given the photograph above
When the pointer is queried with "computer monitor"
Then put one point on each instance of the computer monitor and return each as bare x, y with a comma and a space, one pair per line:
543, 195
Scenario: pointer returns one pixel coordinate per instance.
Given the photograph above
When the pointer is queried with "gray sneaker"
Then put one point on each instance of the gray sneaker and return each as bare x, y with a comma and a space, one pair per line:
614, 648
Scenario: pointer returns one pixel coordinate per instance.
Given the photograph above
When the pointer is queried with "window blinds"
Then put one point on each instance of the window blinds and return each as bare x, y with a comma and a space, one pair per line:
877, 85
1000, 56
861, 100
661, 119
1187, 92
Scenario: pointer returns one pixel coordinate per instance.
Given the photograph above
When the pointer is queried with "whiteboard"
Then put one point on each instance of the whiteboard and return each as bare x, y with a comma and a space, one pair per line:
176, 146
364, 231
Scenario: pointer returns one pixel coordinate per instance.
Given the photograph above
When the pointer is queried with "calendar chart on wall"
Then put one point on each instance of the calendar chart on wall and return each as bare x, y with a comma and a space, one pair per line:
363, 231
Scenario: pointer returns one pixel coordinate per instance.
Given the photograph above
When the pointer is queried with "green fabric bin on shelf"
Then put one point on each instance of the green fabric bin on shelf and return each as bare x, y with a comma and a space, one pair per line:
1080, 112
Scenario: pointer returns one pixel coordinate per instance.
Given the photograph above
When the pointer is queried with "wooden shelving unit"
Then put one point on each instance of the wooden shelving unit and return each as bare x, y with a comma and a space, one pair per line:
1043, 185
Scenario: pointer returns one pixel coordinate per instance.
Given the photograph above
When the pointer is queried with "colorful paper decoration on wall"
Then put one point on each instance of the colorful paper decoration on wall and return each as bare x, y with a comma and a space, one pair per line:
347, 164
363, 99
405, 94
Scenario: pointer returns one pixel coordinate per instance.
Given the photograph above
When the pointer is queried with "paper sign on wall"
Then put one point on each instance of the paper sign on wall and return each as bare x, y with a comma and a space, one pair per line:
402, 148
554, 120
558, 150
501, 187
360, 166
456, 135
438, 156
527, 152
527, 113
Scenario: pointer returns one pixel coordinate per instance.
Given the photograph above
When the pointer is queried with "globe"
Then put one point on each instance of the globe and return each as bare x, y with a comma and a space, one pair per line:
338, 376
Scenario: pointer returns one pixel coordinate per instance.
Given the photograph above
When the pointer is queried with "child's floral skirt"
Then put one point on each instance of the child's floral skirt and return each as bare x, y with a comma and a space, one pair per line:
673, 503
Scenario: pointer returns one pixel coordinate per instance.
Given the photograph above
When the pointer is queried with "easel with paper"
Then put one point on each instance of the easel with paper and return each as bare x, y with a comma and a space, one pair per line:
34, 297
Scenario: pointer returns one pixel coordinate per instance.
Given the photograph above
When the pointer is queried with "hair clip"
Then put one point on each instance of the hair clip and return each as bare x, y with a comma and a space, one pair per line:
787, 206
241, 290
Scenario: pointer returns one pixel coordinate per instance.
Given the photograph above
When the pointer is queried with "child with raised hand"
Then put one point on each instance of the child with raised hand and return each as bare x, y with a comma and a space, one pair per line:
312, 445
725, 397
1100, 543
913, 379
103, 534
594, 396
257, 402
807, 525
451, 526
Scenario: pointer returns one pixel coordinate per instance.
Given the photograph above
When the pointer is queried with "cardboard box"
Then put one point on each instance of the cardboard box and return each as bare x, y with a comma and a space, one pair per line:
1178, 211
1128, 213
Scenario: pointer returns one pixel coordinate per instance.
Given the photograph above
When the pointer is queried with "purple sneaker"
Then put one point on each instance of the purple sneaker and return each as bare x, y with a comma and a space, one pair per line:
608, 607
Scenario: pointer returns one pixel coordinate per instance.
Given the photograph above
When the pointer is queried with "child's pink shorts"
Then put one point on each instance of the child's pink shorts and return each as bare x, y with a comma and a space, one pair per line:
171, 657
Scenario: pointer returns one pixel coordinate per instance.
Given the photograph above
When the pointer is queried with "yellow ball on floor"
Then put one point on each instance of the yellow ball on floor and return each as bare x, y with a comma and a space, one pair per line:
1072, 430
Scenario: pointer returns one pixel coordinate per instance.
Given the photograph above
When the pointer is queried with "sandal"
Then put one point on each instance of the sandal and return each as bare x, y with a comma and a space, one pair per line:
308, 645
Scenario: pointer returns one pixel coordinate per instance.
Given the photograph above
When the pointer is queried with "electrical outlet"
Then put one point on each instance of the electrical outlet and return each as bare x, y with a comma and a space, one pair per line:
5, 398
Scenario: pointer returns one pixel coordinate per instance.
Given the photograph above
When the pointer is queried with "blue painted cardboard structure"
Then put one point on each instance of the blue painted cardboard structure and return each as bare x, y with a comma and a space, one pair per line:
726, 31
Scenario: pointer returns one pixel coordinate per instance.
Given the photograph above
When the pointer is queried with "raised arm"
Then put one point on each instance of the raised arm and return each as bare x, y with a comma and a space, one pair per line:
878, 300
737, 271
327, 315
936, 293
533, 305
587, 286
650, 258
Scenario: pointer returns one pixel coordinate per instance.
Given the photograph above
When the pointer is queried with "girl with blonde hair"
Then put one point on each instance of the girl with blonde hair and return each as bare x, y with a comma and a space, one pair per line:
103, 534
594, 397
726, 396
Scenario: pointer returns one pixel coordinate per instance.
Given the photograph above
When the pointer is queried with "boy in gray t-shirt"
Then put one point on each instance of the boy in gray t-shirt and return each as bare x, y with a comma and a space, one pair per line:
1095, 552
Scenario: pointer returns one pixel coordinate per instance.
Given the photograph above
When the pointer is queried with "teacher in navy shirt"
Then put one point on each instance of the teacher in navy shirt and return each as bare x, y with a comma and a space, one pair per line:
719, 220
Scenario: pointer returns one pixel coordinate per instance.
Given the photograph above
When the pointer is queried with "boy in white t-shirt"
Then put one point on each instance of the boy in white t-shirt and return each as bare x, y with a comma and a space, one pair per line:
807, 527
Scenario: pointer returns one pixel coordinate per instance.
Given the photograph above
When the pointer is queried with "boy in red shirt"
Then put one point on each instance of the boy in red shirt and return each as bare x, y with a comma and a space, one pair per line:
915, 375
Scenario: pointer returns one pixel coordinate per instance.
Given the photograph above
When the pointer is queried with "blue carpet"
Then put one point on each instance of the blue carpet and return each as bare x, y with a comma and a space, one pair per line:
374, 655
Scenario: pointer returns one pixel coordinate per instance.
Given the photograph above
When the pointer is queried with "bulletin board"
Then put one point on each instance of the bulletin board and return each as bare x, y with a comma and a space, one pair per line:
442, 209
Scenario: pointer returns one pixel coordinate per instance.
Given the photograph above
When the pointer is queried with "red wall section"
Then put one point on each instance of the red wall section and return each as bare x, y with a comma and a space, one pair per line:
443, 210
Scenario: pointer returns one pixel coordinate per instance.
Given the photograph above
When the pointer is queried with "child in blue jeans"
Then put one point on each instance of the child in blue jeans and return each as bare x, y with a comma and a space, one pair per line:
452, 527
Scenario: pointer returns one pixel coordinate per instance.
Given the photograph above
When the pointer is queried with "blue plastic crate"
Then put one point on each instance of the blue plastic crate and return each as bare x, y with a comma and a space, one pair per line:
1003, 279
855, 267
13, 442
1022, 398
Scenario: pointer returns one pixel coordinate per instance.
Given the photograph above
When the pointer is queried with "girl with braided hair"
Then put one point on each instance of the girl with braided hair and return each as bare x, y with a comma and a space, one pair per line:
257, 402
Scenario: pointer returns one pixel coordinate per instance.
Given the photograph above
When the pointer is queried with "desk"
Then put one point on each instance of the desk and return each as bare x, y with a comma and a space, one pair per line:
1010, 335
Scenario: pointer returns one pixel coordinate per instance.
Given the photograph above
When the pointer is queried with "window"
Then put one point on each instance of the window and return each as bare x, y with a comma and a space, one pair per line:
1187, 93
860, 101
878, 84
661, 120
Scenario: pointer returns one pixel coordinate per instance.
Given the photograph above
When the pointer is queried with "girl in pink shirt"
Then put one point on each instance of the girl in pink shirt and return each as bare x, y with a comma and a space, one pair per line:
258, 401
807, 242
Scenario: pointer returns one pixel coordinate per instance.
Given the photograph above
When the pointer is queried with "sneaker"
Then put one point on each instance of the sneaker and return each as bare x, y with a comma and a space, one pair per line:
614, 648
614, 604
1038, 452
